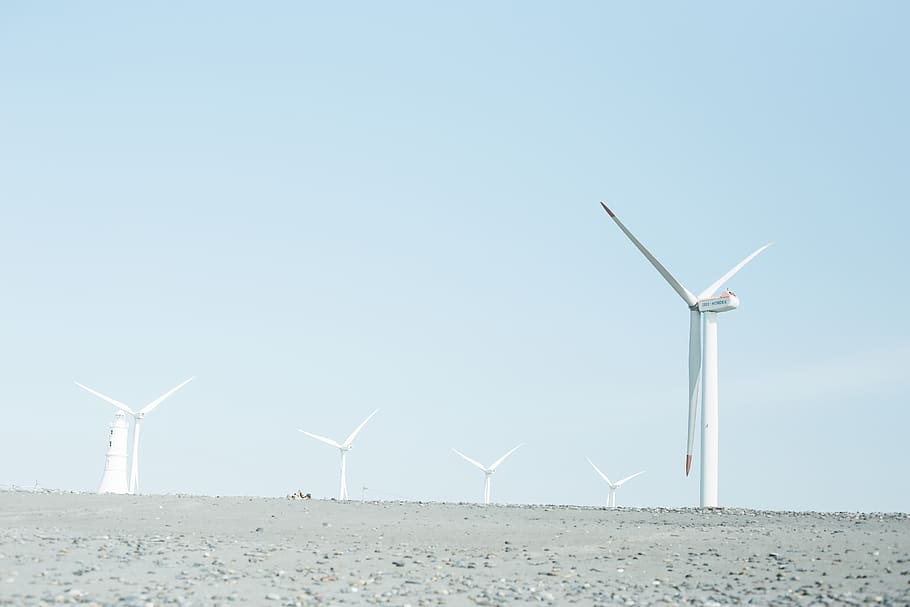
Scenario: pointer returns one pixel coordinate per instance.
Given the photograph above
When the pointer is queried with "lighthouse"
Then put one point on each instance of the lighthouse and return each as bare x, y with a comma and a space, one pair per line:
114, 480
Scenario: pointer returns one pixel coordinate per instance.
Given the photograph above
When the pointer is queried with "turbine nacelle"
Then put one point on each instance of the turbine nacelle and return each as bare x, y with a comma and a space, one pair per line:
725, 302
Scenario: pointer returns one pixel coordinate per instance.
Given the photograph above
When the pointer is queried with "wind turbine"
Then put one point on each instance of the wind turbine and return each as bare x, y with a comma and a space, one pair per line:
611, 497
344, 447
488, 471
137, 424
702, 360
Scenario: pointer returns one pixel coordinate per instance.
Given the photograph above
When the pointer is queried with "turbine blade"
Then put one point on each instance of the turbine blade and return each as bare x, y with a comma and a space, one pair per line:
469, 460
681, 290
350, 439
693, 414
327, 441
148, 408
597, 470
116, 403
503, 458
694, 380
720, 281
628, 478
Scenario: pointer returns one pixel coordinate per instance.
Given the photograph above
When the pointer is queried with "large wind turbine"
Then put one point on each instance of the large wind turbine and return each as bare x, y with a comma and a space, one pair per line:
137, 417
611, 497
702, 360
487, 470
344, 448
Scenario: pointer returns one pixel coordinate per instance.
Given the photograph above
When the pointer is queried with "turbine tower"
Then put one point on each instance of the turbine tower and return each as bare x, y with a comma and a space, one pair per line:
488, 471
702, 360
344, 448
611, 497
114, 479
137, 424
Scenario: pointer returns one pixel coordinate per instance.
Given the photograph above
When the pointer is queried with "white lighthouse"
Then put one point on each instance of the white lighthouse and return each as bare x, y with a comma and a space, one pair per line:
114, 480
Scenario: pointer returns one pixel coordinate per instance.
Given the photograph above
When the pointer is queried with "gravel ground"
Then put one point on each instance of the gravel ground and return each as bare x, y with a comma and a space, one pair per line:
64, 548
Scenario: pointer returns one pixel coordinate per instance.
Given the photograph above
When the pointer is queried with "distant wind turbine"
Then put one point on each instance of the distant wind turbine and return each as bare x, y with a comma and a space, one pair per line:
611, 497
702, 360
344, 448
137, 424
488, 471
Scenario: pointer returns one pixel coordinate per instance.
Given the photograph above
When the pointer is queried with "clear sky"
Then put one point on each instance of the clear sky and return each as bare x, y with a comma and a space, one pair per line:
319, 210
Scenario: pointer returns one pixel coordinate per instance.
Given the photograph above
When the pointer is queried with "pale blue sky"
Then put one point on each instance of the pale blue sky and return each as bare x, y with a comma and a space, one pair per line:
321, 210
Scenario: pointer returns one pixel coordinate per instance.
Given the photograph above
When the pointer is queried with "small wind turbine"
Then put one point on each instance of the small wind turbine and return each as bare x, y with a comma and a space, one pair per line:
137, 422
611, 498
344, 448
488, 471
702, 360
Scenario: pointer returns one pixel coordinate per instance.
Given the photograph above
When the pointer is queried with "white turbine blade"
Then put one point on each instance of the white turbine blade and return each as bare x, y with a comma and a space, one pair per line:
628, 478
116, 403
160, 399
327, 441
720, 281
693, 411
503, 458
597, 470
469, 460
350, 439
683, 291
694, 380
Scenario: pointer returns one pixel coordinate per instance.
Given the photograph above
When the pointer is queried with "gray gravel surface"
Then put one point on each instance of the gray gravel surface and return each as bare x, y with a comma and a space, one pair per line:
59, 548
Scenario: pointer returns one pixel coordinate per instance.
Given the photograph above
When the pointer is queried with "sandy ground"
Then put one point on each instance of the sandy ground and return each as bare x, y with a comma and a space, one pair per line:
176, 550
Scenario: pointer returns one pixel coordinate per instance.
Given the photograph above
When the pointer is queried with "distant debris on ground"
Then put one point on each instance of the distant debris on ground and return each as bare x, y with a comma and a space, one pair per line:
36, 489
300, 495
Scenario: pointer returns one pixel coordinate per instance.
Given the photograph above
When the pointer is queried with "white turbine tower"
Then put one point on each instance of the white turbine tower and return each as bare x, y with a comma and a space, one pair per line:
611, 498
344, 448
488, 471
137, 417
702, 360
